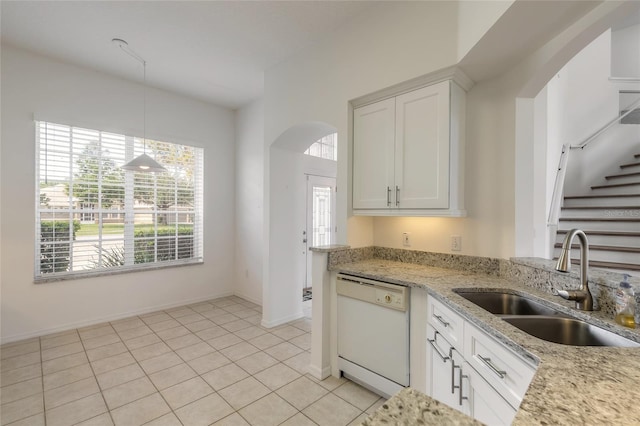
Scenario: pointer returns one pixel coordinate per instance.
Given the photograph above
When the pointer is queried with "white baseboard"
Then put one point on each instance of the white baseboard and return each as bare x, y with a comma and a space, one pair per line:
86, 323
249, 298
318, 372
280, 321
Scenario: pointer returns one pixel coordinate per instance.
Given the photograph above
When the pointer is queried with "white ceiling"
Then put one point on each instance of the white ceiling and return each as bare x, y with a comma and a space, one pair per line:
215, 51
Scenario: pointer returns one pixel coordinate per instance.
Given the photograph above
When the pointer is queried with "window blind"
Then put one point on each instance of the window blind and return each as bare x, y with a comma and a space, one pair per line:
93, 217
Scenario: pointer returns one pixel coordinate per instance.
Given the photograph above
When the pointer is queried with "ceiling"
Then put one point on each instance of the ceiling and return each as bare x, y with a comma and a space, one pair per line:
215, 51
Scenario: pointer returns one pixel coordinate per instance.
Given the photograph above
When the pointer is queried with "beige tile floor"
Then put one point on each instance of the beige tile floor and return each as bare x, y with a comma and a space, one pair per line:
201, 364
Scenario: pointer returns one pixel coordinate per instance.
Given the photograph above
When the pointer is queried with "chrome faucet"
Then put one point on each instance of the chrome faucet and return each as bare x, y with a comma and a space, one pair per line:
582, 296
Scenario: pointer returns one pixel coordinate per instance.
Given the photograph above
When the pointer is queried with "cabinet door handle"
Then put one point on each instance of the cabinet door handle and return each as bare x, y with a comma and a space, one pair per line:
397, 195
453, 370
388, 196
442, 321
461, 376
488, 363
435, 347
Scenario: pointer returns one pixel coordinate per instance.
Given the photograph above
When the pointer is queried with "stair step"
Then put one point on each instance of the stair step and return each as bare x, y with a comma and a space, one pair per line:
630, 177
588, 223
625, 166
637, 156
602, 211
604, 248
623, 175
615, 185
616, 188
610, 233
606, 255
604, 200
608, 265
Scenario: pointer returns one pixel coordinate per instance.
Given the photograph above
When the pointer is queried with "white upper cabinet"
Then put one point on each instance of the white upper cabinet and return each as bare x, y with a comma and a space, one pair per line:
422, 148
408, 154
374, 126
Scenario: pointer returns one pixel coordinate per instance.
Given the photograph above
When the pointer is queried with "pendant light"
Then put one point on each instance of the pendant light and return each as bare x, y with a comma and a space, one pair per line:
142, 163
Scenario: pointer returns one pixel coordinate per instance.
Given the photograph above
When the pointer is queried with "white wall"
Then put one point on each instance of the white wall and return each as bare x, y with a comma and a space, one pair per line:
625, 52
249, 207
61, 92
474, 20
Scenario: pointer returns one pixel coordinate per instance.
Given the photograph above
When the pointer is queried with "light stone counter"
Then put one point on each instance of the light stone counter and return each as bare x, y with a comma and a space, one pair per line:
572, 385
410, 407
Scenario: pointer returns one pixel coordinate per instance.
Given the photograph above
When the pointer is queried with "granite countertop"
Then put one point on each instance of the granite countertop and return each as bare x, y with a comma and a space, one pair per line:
411, 407
572, 385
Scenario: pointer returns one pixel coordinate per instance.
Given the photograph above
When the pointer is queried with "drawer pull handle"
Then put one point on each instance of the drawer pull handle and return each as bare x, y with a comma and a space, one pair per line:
462, 376
453, 370
488, 363
442, 321
435, 347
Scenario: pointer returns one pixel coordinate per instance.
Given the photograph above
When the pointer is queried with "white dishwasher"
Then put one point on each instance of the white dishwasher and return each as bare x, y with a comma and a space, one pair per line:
373, 333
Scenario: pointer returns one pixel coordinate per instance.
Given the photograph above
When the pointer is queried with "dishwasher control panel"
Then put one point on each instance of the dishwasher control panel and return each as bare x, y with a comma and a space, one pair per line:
389, 295
391, 298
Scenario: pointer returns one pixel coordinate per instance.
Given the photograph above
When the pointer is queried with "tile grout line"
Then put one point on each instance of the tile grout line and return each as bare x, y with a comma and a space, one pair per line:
95, 377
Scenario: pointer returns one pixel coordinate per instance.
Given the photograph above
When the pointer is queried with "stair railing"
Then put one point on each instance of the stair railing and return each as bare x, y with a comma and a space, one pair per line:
558, 187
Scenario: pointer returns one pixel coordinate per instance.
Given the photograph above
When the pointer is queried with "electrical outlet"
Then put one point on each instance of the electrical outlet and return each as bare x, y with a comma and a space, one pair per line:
405, 239
456, 243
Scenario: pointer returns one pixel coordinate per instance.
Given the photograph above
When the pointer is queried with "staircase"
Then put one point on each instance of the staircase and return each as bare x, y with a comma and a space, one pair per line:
610, 216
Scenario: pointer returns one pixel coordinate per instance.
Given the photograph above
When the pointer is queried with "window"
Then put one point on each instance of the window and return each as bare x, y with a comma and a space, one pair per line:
326, 147
93, 217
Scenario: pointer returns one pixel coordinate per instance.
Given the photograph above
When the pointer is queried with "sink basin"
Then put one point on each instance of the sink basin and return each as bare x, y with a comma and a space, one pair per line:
542, 321
568, 331
501, 303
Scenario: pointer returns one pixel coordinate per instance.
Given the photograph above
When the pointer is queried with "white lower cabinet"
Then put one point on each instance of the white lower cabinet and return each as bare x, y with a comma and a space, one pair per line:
482, 402
477, 374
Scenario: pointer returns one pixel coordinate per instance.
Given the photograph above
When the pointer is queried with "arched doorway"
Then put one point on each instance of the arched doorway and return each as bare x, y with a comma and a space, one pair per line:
285, 262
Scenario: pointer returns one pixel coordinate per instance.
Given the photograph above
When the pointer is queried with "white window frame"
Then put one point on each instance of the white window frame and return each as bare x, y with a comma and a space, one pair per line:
130, 208
326, 147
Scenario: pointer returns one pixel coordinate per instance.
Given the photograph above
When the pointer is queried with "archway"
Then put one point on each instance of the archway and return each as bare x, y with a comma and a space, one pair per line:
285, 215
533, 189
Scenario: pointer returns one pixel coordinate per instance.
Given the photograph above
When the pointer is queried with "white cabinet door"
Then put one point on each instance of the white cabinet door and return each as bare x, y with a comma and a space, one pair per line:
483, 402
439, 368
422, 148
373, 151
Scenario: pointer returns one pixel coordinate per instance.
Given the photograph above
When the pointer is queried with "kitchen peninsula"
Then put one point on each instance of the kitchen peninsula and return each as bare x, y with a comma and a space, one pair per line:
572, 384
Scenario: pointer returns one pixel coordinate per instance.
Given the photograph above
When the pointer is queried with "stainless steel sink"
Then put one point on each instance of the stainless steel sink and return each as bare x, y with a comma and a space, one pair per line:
502, 303
568, 331
542, 321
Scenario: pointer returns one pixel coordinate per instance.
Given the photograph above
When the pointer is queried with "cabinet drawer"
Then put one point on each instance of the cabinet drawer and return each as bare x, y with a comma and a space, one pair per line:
447, 322
505, 371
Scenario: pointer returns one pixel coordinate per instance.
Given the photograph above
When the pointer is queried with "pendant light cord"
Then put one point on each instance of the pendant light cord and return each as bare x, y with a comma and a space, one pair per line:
126, 49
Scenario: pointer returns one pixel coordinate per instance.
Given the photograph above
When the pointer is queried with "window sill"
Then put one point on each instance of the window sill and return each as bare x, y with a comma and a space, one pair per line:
102, 273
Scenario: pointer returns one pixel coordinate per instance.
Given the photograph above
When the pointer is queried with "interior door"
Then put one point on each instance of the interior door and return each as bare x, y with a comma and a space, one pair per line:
321, 223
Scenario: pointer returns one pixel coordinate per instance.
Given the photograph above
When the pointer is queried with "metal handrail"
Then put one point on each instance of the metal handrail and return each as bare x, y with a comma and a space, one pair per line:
606, 127
558, 187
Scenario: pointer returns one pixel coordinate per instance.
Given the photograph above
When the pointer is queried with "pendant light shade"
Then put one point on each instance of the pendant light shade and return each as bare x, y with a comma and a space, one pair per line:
142, 163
